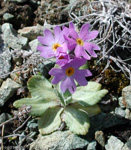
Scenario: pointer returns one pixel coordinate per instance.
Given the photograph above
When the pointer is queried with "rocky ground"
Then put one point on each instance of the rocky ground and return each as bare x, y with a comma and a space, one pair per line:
21, 21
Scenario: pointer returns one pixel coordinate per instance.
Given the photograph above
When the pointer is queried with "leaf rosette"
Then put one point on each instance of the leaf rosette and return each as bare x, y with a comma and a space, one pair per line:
53, 107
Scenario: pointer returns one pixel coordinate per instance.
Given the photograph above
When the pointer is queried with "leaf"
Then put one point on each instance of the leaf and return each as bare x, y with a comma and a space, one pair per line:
91, 110
91, 86
89, 95
43, 96
38, 106
50, 121
88, 98
76, 120
40, 87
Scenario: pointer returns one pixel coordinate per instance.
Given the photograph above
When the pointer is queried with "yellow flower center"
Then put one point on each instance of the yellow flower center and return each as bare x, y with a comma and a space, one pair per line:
80, 42
55, 46
70, 71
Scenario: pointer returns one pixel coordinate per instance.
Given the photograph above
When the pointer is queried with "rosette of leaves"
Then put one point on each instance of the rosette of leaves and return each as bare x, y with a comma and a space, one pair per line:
53, 107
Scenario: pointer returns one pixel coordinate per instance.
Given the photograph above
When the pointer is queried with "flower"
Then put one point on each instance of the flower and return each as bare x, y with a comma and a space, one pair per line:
51, 42
70, 72
62, 57
80, 42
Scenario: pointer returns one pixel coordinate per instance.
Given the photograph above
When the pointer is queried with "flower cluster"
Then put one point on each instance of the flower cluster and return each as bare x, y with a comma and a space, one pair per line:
71, 50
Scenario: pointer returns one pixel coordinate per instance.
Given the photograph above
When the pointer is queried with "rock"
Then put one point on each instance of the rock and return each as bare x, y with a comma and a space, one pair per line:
60, 140
1, 81
23, 14
33, 45
120, 100
34, 3
100, 138
31, 32
16, 1
128, 114
126, 96
127, 146
4, 117
120, 112
7, 90
104, 121
114, 144
5, 64
8, 16
92, 145
12, 38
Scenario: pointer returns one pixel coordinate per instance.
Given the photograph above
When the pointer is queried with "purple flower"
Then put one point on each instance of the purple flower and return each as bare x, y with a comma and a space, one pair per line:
81, 41
70, 72
61, 55
51, 42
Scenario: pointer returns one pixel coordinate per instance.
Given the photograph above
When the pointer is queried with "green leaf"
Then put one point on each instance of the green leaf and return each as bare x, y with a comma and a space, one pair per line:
91, 110
91, 86
38, 106
43, 96
76, 120
40, 87
88, 98
50, 121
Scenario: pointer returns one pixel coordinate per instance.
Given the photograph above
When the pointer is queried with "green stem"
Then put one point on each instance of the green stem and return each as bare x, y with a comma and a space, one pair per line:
60, 96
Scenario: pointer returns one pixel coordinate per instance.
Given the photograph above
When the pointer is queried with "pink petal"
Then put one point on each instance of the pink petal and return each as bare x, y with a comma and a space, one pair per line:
73, 34
48, 34
78, 51
58, 73
69, 84
80, 77
91, 35
42, 48
46, 52
84, 30
88, 73
71, 26
78, 62
57, 31
90, 48
85, 55
44, 40
71, 42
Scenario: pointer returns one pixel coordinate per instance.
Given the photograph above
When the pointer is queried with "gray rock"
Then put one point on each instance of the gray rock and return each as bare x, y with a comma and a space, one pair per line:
4, 117
100, 138
16, 1
12, 38
127, 146
31, 32
104, 121
60, 140
92, 145
5, 64
120, 112
128, 114
126, 96
121, 103
1, 81
8, 16
33, 45
7, 90
114, 144
34, 2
